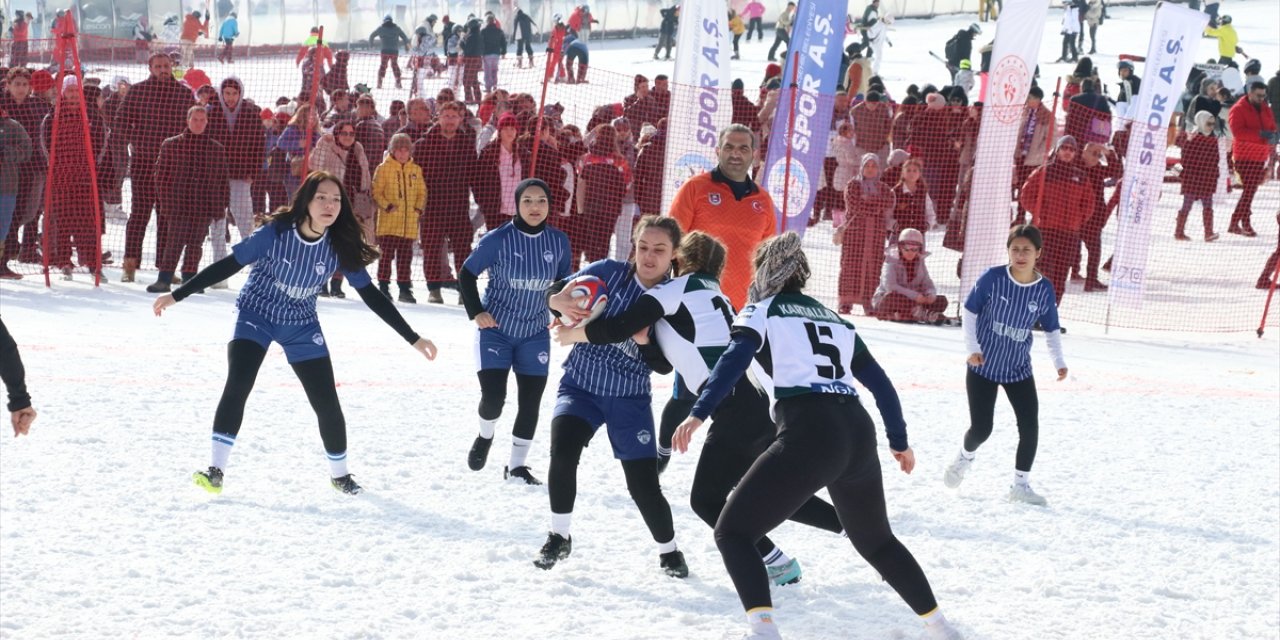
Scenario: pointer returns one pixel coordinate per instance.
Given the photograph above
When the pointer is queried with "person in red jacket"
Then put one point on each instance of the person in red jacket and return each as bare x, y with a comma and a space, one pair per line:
1199, 174
1254, 129
1061, 213
447, 155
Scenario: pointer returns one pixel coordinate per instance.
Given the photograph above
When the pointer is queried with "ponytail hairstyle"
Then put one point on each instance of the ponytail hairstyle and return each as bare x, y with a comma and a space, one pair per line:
345, 235
780, 266
1025, 231
700, 253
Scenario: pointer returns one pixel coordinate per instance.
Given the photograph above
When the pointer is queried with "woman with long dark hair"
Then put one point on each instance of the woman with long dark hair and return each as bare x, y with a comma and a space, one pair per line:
294, 252
825, 437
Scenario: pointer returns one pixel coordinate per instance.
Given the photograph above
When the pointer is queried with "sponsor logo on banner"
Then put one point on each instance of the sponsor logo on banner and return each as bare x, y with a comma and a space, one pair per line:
699, 89
818, 36
1175, 36
1019, 30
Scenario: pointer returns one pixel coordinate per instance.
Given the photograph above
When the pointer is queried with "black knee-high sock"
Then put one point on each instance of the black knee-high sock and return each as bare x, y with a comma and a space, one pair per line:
316, 377
244, 358
493, 392
569, 436
642, 483
528, 396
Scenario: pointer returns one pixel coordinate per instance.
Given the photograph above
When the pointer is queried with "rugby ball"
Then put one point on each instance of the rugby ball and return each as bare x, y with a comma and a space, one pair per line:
588, 292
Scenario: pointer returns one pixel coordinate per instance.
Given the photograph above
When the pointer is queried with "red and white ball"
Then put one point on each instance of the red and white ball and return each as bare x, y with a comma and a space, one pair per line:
588, 292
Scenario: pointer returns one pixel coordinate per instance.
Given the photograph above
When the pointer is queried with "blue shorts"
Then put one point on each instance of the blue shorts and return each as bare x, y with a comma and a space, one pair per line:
301, 342
526, 356
629, 419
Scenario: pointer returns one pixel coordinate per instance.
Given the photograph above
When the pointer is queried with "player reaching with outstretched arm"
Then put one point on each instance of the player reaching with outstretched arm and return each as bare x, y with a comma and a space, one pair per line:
825, 437
293, 255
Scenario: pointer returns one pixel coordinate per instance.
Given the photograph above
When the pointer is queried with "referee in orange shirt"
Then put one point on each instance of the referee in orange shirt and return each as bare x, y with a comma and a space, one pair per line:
726, 203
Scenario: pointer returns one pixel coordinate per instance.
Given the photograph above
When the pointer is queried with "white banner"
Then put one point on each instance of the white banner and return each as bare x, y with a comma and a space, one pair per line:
1013, 62
700, 105
1175, 36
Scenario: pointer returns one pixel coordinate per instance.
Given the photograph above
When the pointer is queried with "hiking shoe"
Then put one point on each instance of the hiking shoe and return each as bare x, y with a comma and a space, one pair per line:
1181, 236
210, 480
557, 548
673, 564
955, 471
1210, 236
347, 485
9, 274
521, 473
406, 296
434, 297
1024, 493
1093, 284
785, 574
479, 453
159, 286
335, 289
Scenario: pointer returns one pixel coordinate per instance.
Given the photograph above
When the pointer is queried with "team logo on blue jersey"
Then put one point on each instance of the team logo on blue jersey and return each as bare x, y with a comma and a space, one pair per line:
714, 199
318, 338
644, 436
320, 269
543, 357
548, 257
1033, 306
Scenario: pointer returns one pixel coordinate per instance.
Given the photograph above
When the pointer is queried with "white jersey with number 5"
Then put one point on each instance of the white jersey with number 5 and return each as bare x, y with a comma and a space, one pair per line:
804, 346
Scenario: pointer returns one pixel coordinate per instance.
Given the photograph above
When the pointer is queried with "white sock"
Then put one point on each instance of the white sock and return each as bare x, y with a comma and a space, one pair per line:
222, 444
560, 523
487, 427
337, 464
968, 455
1021, 477
776, 558
519, 452
667, 547
760, 616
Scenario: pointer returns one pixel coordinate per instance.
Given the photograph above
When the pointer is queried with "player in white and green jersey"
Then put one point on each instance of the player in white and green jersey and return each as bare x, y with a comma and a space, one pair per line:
825, 437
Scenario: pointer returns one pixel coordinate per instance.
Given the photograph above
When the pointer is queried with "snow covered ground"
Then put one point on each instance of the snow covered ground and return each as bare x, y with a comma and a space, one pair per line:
1160, 457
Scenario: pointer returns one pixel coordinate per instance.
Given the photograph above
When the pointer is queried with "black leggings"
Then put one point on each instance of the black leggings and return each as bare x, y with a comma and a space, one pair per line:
982, 408
569, 436
493, 394
244, 358
526, 45
824, 440
676, 410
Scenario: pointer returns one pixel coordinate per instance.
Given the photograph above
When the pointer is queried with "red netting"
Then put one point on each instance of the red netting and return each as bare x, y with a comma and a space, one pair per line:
602, 182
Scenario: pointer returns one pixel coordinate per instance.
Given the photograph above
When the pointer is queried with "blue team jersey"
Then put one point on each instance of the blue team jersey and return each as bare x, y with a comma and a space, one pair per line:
1007, 311
287, 273
521, 267
615, 370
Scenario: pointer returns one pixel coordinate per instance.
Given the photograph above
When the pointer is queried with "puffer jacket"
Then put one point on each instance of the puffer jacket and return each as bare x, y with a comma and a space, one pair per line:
328, 156
401, 186
15, 148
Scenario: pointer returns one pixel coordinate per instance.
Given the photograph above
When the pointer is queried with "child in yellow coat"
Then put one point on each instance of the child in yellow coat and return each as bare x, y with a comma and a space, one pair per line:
736, 28
401, 196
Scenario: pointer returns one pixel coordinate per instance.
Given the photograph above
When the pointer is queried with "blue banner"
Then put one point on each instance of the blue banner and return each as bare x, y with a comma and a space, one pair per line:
818, 39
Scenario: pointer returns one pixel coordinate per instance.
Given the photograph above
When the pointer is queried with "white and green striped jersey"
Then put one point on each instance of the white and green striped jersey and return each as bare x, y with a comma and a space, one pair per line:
804, 346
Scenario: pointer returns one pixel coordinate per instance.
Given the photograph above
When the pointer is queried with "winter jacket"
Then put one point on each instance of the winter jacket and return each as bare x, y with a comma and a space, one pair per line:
523, 28
230, 30
650, 161
243, 143
192, 28
191, 177
669, 21
1067, 202
1089, 118
1248, 124
1227, 37
374, 140
1037, 148
1199, 165
472, 44
641, 111
894, 278
448, 169
154, 111
328, 156
493, 42
736, 27
913, 209
847, 162
745, 112
1129, 88
392, 37
871, 126
1273, 97
30, 114
753, 10
1070, 21
15, 148
785, 20
1093, 15
401, 186
488, 180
